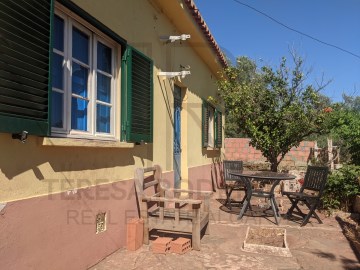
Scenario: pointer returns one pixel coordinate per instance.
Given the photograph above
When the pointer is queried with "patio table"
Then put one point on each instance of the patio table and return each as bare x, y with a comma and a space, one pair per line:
273, 178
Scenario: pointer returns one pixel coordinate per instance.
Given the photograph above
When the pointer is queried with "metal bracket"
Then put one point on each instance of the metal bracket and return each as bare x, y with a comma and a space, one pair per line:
169, 75
174, 38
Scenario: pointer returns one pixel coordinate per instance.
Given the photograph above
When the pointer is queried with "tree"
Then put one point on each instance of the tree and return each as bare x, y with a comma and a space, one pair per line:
351, 103
273, 107
345, 128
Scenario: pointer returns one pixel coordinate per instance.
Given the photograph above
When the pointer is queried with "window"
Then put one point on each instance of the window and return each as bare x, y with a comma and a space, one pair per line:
83, 81
211, 126
72, 93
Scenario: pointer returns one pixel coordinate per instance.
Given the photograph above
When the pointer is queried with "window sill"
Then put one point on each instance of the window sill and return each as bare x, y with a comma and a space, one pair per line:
212, 148
69, 142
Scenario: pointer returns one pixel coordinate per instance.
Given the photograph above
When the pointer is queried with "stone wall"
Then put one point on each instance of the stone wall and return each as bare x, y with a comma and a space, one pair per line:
239, 149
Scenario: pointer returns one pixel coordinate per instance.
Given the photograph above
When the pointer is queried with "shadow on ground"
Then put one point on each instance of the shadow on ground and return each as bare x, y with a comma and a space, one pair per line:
350, 230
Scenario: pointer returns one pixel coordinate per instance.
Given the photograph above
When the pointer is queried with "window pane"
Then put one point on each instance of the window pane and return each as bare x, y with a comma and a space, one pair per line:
57, 71
79, 114
103, 88
211, 127
79, 80
80, 46
103, 58
57, 109
102, 118
58, 33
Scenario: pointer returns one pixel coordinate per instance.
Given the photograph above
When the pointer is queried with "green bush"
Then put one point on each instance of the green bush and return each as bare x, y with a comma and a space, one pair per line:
342, 187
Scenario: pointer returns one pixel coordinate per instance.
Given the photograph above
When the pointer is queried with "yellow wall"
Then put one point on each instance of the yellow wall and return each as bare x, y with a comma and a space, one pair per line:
32, 169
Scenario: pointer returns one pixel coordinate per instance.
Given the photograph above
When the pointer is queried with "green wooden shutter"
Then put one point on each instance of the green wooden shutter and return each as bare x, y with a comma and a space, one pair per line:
25, 35
205, 124
218, 129
137, 106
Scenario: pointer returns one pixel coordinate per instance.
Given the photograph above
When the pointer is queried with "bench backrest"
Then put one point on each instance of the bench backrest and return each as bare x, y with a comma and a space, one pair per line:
147, 181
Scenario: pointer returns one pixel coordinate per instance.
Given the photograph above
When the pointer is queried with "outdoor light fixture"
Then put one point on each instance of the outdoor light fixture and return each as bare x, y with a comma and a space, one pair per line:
170, 75
174, 38
22, 136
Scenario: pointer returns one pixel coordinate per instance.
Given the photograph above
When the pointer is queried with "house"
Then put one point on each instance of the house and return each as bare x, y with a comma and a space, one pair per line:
89, 91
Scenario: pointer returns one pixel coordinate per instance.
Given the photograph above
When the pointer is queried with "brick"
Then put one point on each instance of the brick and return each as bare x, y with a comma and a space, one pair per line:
135, 234
180, 245
161, 245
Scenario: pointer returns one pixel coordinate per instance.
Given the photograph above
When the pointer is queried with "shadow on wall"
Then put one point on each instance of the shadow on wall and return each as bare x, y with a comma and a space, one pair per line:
17, 157
167, 100
217, 177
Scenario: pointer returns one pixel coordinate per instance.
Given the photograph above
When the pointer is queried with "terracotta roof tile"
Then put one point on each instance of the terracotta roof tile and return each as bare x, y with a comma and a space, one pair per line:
194, 11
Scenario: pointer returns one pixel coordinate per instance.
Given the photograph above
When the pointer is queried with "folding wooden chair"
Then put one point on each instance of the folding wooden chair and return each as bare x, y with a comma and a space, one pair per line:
310, 193
232, 182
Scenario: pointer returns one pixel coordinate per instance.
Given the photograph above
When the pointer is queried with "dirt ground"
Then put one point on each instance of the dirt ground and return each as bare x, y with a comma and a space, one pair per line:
266, 236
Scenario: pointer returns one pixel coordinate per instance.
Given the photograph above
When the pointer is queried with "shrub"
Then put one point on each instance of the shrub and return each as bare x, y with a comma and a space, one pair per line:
342, 187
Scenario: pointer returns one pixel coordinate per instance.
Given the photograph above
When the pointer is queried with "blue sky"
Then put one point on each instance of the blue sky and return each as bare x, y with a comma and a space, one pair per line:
243, 32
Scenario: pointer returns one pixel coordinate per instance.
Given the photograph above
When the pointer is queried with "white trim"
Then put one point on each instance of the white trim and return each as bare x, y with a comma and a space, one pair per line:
103, 103
64, 76
79, 97
61, 8
83, 142
112, 103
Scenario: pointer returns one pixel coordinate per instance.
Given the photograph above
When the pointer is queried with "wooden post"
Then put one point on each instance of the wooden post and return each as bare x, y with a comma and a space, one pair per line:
177, 213
144, 216
316, 151
207, 212
196, 229
330, 153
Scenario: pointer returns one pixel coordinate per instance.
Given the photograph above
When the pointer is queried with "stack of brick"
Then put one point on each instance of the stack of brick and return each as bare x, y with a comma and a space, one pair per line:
180, 245
161, 245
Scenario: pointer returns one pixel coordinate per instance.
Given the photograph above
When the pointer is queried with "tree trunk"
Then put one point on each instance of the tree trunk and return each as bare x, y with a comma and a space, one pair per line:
274, 164
274, 167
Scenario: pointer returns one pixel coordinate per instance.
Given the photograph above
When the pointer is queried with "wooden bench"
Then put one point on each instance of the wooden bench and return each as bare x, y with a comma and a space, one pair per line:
166, 208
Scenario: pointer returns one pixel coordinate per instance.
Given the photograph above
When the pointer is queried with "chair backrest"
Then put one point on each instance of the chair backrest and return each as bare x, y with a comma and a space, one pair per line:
231, 165
147, 181
315, 179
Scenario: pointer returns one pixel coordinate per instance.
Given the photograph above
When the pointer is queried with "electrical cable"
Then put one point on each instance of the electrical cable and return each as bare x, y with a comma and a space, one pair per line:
296, 31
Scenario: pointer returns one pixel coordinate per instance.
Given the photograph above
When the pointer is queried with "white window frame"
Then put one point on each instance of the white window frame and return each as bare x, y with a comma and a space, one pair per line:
65, 78
96, 40
71, 20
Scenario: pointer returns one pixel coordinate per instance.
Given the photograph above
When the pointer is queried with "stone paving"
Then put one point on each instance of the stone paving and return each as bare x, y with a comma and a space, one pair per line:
315, 246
